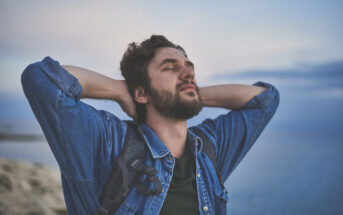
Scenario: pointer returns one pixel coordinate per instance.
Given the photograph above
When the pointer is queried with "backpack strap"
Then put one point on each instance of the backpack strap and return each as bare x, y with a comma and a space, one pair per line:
207, 145
208, 148
127, 168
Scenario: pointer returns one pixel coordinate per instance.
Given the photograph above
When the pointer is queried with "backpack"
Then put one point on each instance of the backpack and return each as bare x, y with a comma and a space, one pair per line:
129, 166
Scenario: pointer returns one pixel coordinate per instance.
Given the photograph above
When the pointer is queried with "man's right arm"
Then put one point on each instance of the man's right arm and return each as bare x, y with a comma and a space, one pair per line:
77, 133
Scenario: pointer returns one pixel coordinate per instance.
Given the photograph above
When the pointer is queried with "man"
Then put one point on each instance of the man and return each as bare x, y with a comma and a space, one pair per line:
160, 92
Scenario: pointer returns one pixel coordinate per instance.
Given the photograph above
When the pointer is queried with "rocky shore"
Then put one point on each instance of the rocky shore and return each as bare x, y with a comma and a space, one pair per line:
30, 189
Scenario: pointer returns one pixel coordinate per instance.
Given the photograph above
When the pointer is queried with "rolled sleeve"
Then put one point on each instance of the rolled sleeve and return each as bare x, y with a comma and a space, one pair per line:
264, 99
64, 80
33, 76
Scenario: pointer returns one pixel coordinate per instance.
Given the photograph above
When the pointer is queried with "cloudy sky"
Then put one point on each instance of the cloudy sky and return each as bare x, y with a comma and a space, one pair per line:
222, 37
295, 45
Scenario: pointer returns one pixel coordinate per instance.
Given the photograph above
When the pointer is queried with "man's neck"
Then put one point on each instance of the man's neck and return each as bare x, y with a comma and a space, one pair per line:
173, 133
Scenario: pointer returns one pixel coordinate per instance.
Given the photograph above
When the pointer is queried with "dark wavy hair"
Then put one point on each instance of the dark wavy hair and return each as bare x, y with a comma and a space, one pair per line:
134, 66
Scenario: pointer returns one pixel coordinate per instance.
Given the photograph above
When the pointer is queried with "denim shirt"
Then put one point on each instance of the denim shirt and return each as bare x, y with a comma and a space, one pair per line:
85, 141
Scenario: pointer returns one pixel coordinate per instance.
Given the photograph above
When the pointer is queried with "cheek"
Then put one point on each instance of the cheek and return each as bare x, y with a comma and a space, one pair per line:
164, 82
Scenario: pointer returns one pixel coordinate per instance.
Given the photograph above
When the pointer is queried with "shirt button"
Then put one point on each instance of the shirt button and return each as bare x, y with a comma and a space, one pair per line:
205, 208
198, 175
170, 158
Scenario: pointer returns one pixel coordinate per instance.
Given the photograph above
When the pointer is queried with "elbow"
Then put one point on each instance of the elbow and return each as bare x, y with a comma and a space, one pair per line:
30, 77
275, 102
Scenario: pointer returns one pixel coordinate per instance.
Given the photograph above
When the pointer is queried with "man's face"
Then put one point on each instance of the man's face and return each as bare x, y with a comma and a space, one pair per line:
173, 91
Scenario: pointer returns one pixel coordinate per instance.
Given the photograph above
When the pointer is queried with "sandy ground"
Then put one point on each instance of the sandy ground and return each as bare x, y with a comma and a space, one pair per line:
30, 189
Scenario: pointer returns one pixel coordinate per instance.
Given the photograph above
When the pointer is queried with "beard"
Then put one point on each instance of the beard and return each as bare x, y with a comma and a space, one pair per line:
173, 106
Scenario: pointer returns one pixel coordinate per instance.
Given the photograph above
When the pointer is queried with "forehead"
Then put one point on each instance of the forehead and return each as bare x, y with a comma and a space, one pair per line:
167, 52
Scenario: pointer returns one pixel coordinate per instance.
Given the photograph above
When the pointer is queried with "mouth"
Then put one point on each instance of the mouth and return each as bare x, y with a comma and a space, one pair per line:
187, 87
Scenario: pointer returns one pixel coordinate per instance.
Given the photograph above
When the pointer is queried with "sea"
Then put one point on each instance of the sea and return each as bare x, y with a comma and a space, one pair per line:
284, 173
294, 168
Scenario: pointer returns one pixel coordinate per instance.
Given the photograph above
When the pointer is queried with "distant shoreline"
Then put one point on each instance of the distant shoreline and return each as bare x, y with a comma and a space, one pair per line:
21, 137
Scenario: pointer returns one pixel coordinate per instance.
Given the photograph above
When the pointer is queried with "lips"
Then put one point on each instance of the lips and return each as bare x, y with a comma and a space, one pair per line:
187, 87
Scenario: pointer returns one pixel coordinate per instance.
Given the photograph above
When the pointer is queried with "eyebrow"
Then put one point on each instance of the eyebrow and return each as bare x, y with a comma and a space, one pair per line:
172, 60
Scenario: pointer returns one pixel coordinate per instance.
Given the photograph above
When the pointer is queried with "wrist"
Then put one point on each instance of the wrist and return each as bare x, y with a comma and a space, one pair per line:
119, 90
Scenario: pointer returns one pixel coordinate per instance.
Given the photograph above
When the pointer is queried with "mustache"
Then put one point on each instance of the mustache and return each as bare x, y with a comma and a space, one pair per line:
179, 85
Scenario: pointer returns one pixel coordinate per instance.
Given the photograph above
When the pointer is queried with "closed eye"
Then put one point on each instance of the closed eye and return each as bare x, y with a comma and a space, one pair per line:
190, 64
172, 67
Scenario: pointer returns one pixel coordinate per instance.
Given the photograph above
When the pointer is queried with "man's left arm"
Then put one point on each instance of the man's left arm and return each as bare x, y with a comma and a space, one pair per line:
230, 96
235, 132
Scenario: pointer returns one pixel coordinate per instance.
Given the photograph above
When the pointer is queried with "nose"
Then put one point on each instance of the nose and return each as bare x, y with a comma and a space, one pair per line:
187, 73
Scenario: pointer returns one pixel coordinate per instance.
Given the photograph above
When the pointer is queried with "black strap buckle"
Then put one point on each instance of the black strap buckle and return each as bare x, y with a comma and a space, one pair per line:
151, 174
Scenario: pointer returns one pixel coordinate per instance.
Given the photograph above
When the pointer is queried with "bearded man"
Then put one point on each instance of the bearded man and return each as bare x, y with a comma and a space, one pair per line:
160, 93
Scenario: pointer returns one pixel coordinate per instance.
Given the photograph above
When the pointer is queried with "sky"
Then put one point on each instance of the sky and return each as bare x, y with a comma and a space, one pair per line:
221, 38
295, 45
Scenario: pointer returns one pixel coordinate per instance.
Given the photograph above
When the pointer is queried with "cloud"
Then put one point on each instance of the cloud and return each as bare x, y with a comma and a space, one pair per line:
332, 93
304, 76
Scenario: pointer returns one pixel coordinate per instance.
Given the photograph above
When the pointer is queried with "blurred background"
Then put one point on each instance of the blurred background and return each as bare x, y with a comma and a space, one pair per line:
295, 167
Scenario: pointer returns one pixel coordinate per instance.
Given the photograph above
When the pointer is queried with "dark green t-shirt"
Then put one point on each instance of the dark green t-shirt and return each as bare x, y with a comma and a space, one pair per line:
182, 194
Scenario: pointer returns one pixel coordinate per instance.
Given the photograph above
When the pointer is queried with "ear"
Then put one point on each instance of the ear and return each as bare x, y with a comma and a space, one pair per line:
140, 95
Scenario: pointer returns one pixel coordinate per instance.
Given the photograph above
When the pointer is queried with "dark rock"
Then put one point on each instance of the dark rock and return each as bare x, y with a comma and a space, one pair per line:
5, 183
